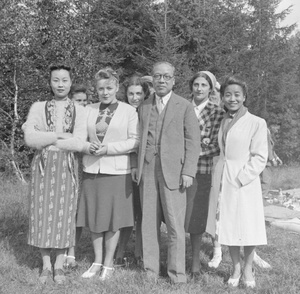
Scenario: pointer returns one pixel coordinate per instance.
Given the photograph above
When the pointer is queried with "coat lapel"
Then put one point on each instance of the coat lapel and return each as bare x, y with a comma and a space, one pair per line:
146, 115
170, 111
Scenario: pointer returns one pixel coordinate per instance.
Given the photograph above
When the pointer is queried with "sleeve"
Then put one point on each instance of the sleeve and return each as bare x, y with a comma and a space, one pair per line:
132, 141
35, 135
192, 139
258, 155
213, 126
77, 142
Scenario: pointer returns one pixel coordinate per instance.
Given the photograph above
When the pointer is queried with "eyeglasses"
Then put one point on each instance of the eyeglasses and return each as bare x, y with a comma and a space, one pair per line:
165, 76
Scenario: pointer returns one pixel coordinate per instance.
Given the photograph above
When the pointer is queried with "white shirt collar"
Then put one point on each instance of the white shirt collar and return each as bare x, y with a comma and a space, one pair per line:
164, 99
200, 107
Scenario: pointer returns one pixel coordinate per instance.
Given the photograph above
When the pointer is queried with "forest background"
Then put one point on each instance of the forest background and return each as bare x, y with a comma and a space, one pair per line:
223, 36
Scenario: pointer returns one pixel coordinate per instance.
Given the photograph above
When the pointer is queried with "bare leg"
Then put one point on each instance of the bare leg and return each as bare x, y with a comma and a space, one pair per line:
249, 254
71, 250
59, 258
235, 256
196, 244
45, 252
124, 238
217, 255
97, 239
111, 241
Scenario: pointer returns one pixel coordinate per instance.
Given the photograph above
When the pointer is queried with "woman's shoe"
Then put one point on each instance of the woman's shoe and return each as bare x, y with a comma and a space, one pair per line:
215, 262
45, 275
59, 276
106, 273
217, 258
234, 282
70, 265
250, 284
88, 274
120, 262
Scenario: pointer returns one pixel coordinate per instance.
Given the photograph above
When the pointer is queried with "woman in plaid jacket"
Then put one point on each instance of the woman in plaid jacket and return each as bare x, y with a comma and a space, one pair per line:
209, 117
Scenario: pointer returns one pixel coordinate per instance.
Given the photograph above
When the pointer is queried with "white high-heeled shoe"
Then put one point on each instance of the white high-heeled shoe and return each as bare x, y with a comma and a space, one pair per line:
234, 282
106, 273
250, 284
215, 262
88, 274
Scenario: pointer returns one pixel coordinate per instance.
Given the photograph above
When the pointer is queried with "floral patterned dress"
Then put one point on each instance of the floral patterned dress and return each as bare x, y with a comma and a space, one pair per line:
53, 187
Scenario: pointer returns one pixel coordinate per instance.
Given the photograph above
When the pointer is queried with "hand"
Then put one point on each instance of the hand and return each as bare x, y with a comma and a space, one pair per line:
134, 174
63, 136
102, 150
94, 147
186, 181
206, 142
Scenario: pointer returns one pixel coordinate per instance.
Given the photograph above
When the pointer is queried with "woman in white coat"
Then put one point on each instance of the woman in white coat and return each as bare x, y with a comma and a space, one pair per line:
236, 216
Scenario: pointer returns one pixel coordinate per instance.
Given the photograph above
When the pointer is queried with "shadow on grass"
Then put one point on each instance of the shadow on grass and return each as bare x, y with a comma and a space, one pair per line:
13, 233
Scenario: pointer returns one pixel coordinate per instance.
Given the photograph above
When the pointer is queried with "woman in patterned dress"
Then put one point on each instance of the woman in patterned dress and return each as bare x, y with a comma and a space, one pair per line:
56, 129
106, 204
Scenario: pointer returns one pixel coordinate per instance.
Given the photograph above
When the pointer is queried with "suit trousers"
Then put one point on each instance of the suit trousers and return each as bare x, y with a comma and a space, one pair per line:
158, 201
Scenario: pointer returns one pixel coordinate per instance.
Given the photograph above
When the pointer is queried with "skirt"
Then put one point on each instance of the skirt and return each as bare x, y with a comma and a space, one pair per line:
106, 203
197, 204
52, 200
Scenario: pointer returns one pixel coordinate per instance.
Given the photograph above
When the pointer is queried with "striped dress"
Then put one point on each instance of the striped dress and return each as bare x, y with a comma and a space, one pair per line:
54, 182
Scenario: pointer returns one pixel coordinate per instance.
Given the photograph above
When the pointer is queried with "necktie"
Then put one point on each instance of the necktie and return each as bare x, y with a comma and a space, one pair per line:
160, 105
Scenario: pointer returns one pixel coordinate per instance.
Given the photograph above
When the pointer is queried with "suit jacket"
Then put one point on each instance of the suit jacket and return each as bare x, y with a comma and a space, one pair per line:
122, 137
180, 137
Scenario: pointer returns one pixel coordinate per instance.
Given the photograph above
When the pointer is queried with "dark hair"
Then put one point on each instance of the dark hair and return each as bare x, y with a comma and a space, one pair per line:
164, 62
198, 75
234, 80
136, 80
107, 73
78, 88
59, 67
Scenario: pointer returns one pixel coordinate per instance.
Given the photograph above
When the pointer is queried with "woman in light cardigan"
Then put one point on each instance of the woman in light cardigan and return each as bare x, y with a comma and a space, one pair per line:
106, 204
56, 129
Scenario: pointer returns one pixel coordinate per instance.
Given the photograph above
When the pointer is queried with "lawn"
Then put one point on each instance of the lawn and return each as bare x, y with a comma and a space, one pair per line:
20, 264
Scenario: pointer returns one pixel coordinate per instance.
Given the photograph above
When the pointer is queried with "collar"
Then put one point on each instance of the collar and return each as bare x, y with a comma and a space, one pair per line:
201, 106
164, 99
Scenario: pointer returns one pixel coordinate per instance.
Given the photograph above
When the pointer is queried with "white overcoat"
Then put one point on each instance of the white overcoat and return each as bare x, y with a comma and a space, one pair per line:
241, 221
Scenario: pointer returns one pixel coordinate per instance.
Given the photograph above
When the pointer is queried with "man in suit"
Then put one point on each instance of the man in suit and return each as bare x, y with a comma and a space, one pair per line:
167, 163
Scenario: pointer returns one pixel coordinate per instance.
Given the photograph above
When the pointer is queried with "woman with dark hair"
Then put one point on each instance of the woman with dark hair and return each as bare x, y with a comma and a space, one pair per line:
79, 94
236, 216
136, 91
209, 118
106, 202
56, 129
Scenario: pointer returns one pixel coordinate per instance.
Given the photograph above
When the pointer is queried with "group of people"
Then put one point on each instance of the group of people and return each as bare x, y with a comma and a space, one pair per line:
156, 157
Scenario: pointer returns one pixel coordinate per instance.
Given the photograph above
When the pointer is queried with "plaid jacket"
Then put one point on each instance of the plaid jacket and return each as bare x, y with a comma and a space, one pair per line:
209, 122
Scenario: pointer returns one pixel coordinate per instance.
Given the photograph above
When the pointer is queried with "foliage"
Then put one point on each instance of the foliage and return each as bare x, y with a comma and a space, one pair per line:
224, 36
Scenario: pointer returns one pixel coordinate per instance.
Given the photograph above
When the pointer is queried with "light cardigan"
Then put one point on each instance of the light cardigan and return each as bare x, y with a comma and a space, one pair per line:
35, 129
121, 138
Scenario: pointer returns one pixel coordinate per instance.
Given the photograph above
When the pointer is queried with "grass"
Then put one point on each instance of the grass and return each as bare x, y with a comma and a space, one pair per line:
286, 177
20, 264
